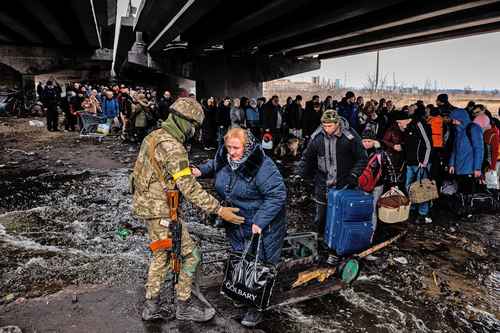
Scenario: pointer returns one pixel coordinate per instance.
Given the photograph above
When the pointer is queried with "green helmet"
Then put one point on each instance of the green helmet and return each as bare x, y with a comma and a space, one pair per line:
188, 108
330, 116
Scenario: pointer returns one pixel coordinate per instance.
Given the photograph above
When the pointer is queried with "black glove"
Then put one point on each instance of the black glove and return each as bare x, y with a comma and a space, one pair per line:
352, 182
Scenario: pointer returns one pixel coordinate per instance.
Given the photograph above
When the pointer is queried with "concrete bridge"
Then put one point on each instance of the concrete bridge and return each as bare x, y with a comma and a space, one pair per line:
228, 47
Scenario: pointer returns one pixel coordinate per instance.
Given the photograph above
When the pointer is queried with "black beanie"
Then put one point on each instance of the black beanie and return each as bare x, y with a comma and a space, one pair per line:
435, 112
443, 98
369, 134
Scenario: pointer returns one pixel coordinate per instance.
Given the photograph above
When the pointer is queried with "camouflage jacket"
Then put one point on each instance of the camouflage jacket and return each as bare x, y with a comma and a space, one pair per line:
149, 198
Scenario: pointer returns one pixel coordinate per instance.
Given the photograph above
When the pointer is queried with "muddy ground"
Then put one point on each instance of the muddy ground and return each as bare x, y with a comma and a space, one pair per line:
65, 268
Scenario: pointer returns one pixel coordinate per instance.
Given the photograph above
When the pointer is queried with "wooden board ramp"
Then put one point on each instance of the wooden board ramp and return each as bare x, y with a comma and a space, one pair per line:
283, 294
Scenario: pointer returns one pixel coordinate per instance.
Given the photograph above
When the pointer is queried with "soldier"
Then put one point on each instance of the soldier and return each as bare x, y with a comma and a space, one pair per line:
162, 151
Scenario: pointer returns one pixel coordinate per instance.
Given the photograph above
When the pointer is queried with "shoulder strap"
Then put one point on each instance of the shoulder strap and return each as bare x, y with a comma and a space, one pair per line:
156, 167
157, 170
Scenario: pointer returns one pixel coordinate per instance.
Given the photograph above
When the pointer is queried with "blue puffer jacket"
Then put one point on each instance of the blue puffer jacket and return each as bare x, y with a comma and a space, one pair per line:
350, 112
110, 108
258, 190
466, 157
252, 116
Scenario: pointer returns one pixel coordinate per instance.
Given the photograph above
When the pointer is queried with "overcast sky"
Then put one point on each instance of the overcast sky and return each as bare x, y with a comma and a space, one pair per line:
456, 63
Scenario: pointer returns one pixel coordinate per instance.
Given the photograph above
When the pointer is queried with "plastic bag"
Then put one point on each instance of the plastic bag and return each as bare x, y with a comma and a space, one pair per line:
491, 178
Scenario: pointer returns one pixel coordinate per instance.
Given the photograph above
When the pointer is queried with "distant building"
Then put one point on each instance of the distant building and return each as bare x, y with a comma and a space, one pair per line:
337, 84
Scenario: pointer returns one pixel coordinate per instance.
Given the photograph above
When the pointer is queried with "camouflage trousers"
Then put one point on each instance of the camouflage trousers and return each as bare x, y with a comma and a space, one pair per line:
160, 264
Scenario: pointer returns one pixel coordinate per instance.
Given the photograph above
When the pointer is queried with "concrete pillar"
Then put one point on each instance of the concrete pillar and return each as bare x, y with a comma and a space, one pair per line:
137, 54
221, 76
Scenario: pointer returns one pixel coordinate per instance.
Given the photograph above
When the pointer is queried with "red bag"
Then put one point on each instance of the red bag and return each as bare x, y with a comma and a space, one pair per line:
371, 174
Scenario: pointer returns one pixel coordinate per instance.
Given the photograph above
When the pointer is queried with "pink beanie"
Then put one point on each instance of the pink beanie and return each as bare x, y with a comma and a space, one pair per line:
483, 121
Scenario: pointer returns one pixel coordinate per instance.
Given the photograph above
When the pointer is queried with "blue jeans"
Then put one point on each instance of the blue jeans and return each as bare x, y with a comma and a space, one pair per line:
413, 174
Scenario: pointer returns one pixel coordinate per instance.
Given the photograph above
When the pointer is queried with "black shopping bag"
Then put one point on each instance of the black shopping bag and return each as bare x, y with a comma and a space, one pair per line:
249, 280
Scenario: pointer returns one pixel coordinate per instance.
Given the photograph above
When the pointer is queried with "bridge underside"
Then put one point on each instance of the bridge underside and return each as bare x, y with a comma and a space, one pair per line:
228, 47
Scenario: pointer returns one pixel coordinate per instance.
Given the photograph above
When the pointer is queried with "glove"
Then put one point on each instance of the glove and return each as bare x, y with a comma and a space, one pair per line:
352, 182
228, 214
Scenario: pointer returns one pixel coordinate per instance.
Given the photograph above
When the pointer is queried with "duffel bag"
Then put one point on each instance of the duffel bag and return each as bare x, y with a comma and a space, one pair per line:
472, 203
249, 280
393, 206
423, 190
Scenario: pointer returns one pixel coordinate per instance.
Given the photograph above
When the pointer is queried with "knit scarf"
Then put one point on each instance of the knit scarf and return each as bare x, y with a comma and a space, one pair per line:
248, 149
179, 128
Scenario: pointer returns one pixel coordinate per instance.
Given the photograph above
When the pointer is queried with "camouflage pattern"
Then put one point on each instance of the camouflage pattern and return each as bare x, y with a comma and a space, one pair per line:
149, 199
190, 109
149, 204
160, 263
330, 116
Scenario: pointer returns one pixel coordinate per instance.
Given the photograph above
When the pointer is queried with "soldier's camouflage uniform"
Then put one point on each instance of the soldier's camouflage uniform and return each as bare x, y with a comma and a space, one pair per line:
149, 204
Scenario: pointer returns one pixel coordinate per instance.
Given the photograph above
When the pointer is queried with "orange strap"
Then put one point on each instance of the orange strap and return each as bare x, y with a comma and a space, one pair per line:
161, 244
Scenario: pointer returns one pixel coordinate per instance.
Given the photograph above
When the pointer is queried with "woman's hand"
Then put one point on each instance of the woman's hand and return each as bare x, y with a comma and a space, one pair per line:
256, 229
196, 172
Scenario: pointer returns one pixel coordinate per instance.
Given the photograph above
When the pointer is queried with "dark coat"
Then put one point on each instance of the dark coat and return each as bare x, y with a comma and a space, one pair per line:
310, 120
418, 143
294, 116
350, 112
351, 159
270, 115
377, 125
125, 101
259, 191
223, 117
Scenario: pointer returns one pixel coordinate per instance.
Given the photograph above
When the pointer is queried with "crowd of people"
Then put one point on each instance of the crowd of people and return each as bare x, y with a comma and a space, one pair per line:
130, 112
417, 141
339, 141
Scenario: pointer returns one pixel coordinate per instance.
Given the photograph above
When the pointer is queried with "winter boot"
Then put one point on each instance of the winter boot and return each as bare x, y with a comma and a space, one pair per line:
151, 309
193, 310
252, 318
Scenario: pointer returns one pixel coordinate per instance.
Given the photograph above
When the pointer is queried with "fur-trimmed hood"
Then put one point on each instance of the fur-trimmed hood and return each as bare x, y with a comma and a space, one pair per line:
247, 169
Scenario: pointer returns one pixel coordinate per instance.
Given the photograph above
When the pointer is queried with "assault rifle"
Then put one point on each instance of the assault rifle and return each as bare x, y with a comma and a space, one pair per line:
176, 230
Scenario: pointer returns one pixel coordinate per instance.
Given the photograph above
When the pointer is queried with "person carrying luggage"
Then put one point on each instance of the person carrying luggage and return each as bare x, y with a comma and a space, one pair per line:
379, 174
417, 148
334, 157
246, 178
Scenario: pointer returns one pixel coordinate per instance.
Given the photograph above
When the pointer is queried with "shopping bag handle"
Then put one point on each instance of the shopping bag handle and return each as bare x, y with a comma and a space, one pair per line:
238, 269
423, 171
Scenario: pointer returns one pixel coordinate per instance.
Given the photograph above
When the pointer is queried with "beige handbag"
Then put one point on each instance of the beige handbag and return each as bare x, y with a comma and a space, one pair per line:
393, 206
423, 190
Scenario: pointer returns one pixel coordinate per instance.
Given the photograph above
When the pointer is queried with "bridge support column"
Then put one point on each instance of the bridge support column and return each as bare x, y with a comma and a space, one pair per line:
221, 76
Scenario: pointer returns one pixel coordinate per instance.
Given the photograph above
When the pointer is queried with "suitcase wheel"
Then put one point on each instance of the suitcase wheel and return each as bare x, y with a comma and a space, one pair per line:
349, 271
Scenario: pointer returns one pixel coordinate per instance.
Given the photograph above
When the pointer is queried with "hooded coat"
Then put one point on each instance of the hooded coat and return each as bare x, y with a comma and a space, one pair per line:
467, 153
259, 191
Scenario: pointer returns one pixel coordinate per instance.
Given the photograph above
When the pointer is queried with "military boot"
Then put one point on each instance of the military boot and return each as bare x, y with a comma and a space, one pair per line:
193, 310
151, 309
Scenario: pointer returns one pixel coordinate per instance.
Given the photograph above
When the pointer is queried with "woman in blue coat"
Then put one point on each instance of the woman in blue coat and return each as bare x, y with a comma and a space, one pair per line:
467, 153
246, 178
